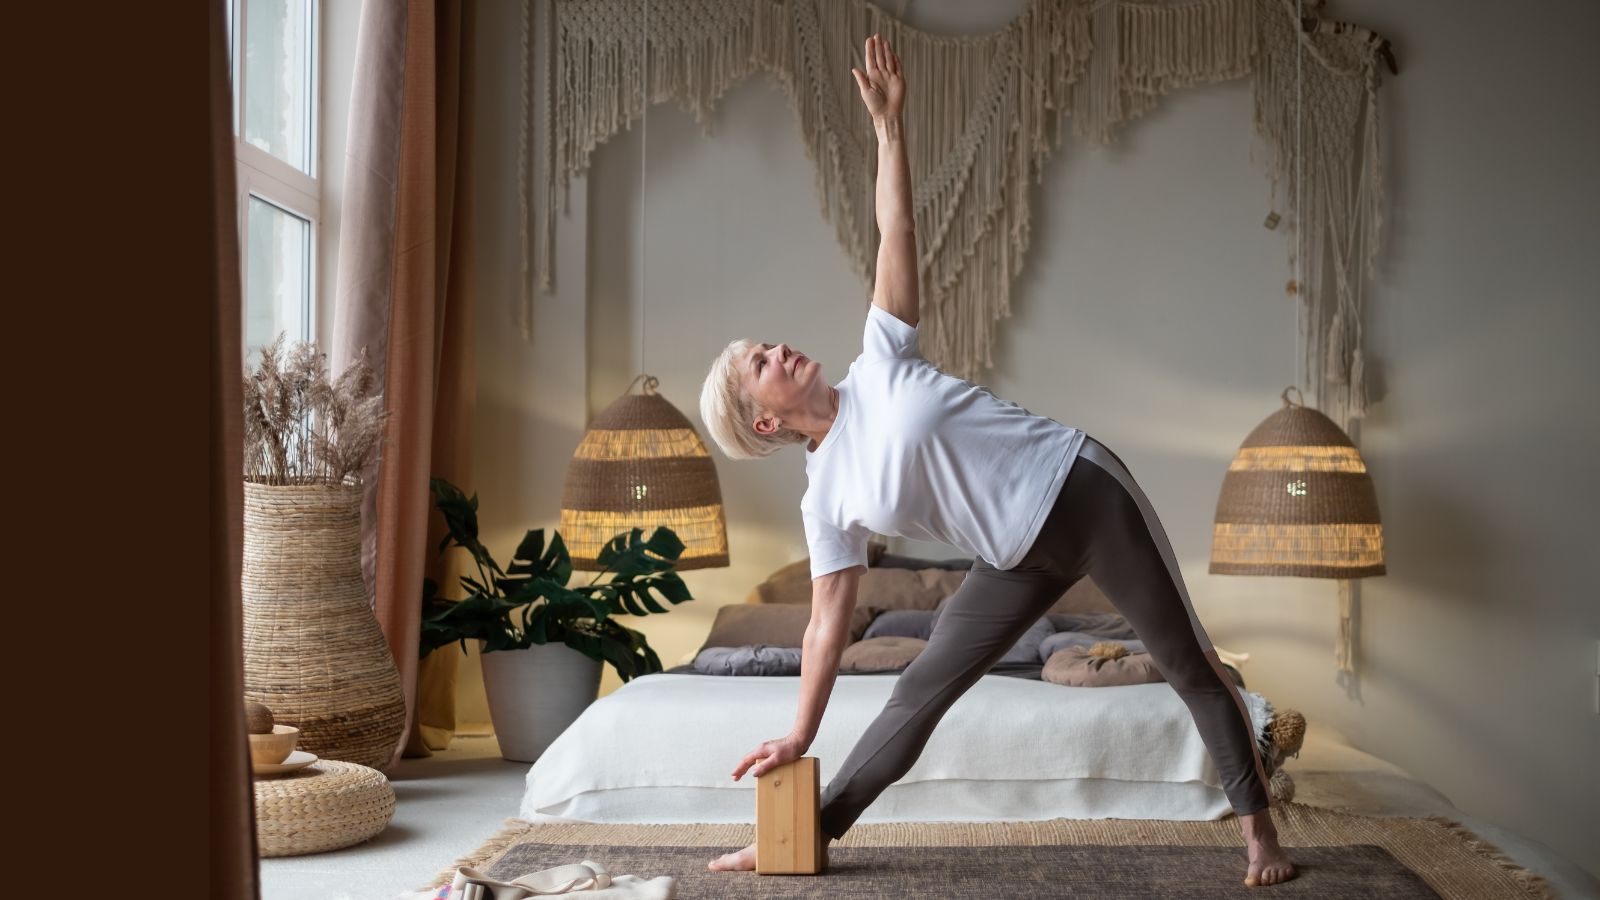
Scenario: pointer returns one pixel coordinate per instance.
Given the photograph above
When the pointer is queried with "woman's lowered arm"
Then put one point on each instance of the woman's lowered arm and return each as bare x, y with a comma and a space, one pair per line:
883, 90
833, 601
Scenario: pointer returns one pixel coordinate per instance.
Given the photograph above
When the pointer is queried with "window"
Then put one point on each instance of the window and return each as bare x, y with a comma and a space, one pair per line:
275, 66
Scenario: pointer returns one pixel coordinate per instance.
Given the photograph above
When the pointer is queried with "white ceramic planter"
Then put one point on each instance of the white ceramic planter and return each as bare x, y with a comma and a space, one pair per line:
534, 694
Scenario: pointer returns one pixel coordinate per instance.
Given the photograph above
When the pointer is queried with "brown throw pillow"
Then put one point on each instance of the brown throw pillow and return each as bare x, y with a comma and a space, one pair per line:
933, 587
781, 625
790, 584
1077, 667
908, 588
885, 654
883, 588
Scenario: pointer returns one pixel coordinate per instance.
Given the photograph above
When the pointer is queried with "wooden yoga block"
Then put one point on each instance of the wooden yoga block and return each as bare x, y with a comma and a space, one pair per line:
789, 838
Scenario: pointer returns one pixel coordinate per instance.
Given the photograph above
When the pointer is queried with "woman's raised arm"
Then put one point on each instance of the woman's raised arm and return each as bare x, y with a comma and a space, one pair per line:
883, 90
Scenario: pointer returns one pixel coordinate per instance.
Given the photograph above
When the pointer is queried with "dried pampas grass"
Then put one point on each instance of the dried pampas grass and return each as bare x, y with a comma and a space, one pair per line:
301, 428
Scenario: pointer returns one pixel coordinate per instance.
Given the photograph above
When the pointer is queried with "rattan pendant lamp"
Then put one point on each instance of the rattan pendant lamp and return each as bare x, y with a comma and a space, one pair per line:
641, 464
1297, 500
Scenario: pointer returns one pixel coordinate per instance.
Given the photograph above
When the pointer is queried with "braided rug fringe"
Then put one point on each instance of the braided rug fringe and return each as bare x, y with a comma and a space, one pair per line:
1535, 885
983, 115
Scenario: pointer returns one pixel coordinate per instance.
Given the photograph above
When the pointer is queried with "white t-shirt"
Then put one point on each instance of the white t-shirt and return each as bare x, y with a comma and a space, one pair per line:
920, 454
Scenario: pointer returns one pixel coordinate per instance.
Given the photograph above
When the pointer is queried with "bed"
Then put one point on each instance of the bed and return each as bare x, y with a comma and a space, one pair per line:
1014, 748
660, 748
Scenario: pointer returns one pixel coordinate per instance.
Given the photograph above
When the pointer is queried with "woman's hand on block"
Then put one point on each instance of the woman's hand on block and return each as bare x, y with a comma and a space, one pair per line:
770, 755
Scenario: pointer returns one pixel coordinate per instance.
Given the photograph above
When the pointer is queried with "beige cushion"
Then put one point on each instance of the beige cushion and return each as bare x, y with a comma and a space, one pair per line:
1074, 666
884, 654
909, 589
790, 584
883, 588
784, 625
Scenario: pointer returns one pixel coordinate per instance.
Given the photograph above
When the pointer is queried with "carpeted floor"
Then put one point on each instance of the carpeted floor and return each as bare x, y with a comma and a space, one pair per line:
1339, 855
1013, 873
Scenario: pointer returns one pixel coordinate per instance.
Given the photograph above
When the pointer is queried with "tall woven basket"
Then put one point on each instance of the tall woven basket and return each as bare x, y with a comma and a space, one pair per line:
313, 651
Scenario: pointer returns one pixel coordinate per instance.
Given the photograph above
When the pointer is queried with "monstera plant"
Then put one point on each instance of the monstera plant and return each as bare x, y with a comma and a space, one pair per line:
529, 602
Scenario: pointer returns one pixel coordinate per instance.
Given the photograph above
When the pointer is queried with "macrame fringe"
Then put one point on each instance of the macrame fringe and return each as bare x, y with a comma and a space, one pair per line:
524, 180
982, 117
1163, 47
1337, 370
1345, 640
1335, 215
1358, 382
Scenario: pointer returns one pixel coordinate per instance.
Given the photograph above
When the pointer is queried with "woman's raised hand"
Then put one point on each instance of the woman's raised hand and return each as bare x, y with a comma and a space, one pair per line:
770, 755
883, 86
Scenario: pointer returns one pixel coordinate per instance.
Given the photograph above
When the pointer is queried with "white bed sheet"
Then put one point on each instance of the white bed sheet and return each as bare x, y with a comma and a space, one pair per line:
660, 748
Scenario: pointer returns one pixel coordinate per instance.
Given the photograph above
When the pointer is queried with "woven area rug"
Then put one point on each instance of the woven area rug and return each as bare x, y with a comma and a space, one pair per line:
1339, 856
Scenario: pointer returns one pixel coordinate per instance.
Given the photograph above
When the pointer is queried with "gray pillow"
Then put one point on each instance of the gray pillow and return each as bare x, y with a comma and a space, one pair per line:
1108, 626
1026, 650
1061, 640
908, 623
757, 660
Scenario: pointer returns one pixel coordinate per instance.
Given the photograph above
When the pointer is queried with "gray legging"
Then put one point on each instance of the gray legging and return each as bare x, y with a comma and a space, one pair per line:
1102, 526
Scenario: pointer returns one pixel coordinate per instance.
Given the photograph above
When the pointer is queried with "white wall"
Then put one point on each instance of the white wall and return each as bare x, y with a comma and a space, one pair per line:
1152, 314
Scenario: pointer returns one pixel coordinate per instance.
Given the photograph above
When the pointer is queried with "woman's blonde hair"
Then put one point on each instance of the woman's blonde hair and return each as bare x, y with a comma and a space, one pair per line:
730, 412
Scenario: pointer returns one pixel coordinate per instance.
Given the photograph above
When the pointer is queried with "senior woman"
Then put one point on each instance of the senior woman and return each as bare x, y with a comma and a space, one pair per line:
899, 448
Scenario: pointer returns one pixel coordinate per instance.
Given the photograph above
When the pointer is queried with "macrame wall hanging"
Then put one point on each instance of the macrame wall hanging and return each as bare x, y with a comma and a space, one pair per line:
983, 116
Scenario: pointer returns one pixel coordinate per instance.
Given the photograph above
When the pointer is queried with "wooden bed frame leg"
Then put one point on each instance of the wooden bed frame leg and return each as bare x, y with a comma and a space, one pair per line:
789, 838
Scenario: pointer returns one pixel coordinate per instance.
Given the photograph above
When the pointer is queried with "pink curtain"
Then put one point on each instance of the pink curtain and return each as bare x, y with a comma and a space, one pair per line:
404, 290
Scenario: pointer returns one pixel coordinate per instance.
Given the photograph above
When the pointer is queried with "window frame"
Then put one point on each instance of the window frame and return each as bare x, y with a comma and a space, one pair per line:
268, 178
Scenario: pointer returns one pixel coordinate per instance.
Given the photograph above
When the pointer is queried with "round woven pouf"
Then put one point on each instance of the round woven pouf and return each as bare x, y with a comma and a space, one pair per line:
325, 806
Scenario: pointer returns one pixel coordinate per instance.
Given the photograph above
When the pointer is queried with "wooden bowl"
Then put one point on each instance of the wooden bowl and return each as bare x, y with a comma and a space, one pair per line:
274, 748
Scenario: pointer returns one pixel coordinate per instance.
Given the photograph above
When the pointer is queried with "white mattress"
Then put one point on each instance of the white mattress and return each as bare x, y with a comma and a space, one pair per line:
660, 748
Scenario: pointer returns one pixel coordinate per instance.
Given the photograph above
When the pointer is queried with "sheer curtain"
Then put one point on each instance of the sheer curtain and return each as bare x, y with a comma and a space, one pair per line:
405, 299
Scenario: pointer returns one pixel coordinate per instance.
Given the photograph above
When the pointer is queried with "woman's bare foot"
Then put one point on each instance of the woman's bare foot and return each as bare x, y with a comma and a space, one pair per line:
738, 861
1268, 864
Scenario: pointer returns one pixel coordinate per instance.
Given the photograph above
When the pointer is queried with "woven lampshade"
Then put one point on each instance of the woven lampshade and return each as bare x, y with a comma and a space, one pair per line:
1297, 500
641, 464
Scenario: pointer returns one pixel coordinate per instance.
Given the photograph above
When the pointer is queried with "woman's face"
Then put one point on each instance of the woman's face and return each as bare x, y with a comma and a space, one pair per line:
780, 379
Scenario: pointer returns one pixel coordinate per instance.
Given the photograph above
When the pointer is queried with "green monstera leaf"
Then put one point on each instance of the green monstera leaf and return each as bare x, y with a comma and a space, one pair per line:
461, 518
530, 601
